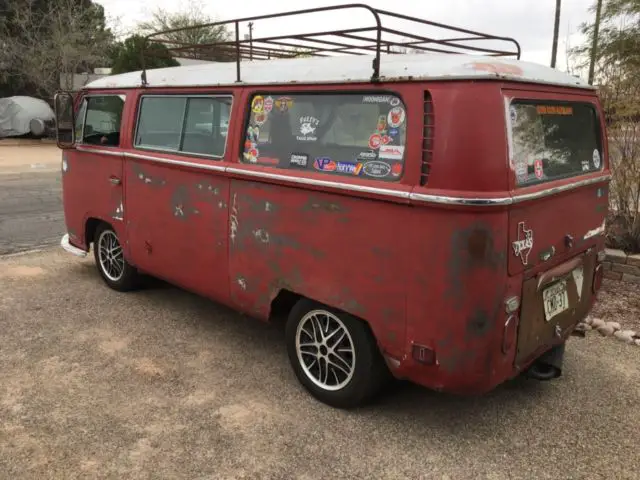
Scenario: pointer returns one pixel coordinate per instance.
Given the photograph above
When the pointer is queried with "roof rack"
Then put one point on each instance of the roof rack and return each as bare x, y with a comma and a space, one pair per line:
375, 38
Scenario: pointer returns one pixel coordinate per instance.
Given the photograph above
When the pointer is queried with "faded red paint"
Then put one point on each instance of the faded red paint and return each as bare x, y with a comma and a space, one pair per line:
498, 68
425, 274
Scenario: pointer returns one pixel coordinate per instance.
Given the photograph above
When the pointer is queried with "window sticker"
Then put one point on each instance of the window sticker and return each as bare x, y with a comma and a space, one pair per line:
554, 110
367, 155
396, 169
268, 104
585, 165
596, 159
257, 105
382, 124
253, 133
391, 100
259, 118
299, 160
308, 126
377, 169
391, 152
325, 164
538, 168
283, 104
375, 141
396, 117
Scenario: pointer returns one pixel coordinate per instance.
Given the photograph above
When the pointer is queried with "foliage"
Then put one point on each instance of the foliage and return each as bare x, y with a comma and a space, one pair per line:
126, 56
42, 40
192, 16
617, 70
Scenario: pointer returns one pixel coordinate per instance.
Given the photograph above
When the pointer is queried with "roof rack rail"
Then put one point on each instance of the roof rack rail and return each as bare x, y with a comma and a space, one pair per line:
353, 41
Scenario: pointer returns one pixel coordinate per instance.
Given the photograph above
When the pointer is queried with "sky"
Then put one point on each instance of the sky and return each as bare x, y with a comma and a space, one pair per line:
528, 21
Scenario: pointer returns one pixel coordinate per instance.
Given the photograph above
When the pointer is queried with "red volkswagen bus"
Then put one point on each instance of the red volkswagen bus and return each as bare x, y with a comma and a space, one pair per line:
423, 215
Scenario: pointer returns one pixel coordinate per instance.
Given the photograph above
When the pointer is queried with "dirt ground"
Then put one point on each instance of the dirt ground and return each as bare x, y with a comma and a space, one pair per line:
164, 384
36, 157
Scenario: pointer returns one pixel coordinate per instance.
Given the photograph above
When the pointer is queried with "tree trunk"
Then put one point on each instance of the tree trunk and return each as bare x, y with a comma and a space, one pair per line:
594, 46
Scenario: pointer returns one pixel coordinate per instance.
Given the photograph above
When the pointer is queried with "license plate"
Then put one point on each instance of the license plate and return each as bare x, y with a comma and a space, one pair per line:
555, 299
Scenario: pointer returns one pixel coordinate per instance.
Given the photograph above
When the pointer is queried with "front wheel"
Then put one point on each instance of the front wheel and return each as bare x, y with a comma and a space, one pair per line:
334, 355
114, 269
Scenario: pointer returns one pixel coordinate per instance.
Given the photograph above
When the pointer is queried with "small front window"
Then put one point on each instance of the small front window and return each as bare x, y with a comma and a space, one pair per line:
554, 140
102, 120
337, 134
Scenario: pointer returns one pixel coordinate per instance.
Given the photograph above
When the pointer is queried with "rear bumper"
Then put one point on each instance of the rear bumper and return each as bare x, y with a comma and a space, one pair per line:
66, 244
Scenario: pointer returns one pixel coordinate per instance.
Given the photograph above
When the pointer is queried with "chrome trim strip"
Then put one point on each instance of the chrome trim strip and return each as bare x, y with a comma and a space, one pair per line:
563, 188
467, 201
321, 183
100, 151
182, 163
64, 243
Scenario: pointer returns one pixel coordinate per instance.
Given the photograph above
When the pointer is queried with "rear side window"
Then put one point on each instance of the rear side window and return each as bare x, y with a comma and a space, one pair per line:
337, 134
102, 117
553, 140
193, 125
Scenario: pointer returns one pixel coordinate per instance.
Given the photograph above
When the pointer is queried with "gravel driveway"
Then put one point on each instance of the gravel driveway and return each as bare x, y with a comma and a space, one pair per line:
164, 384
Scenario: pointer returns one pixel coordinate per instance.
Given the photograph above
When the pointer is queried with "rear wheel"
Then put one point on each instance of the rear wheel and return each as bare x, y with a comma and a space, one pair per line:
114, 269
334, 355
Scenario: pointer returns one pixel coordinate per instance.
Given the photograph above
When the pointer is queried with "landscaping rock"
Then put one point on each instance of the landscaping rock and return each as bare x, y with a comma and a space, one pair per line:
597, 323
606, 330
638, 342
624, 336
615, 325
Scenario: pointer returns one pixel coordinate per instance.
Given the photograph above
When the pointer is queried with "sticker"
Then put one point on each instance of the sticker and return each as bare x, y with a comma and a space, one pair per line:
367, 155
268, 160
396, 117
554, 110
252, 155
257, 105
299, 160
513, 112
259, 118
375, 141
393, 132
396, 170
376, 99
325, 164
268, 104
523, 245
586, 166
377, 169
386, 139
596, 159
253, 133
248, 144
350, 168
395, 101
538, 169
382, 123
391, 152
522, 170
308, 127
283, 104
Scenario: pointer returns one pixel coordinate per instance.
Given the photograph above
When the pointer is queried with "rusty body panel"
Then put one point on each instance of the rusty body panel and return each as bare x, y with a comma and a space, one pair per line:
426, 265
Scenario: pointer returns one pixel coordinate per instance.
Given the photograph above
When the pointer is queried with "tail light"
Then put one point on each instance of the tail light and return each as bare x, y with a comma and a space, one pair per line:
597, 278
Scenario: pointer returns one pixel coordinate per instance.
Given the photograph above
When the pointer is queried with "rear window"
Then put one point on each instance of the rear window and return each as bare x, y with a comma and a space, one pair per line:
553, 140
336, 134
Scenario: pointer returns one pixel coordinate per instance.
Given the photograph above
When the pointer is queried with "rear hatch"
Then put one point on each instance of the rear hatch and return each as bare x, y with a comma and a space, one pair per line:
557, 222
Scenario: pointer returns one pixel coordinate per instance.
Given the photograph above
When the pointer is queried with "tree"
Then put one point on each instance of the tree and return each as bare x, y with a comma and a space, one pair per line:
616, 72
126, 56
182, 41
42, 40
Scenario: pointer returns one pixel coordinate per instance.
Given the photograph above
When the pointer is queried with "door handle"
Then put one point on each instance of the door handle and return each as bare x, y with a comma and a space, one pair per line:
115, 180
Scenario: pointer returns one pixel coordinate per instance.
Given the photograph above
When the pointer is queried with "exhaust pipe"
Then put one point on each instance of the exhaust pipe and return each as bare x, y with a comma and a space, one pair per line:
549, 365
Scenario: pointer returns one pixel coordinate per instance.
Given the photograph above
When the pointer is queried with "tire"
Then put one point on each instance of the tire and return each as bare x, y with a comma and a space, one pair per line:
117, 273
336, 377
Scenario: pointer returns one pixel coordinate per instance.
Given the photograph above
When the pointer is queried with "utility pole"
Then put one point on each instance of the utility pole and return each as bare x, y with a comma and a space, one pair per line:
594, 46
250, 40
556, 30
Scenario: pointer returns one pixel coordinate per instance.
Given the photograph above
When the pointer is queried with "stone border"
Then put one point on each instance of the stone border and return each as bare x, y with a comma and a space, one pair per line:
620, 266
608, 329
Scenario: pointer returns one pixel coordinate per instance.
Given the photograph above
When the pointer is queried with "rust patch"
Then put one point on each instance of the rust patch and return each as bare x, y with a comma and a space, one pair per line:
181, 206
455, 360
322, 205
479, 324
142, 177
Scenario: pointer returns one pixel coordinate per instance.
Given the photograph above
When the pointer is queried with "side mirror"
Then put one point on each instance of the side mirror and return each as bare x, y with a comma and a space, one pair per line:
65, 121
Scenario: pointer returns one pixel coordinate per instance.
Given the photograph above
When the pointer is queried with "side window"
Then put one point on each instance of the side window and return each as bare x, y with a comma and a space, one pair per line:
337, 134
102, 120
193, 125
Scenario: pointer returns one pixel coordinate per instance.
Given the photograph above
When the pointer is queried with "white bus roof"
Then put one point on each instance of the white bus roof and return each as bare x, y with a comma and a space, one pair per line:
341, 69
